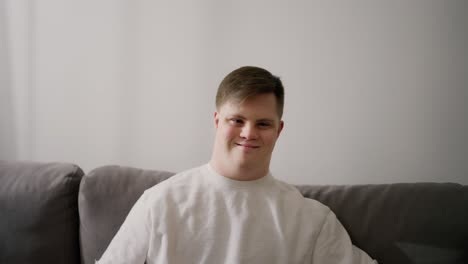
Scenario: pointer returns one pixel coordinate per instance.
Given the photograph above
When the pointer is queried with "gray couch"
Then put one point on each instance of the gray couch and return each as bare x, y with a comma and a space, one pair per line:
54, 213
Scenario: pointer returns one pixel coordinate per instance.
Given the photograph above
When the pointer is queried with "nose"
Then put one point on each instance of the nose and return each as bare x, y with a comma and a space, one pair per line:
249, 131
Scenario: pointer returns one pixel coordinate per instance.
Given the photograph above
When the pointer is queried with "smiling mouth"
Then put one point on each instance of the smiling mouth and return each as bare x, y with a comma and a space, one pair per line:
247, 146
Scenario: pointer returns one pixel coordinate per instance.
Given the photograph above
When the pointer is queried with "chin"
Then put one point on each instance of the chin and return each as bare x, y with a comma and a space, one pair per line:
248, 164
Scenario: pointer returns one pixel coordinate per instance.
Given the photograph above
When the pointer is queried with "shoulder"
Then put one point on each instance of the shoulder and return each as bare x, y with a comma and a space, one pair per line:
308, 206
175, 185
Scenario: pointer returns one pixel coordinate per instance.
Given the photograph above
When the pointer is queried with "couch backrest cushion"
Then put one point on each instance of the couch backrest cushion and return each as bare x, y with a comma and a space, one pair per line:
106, 196
402, 223
395, 223
39, 212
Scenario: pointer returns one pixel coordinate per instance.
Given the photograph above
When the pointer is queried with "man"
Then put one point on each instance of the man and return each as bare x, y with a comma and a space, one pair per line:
232, 210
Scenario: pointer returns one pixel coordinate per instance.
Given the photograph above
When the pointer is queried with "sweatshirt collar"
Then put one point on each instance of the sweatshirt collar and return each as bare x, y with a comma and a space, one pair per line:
221, 180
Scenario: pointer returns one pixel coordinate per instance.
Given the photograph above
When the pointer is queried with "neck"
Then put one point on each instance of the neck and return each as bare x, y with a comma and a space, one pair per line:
239, 173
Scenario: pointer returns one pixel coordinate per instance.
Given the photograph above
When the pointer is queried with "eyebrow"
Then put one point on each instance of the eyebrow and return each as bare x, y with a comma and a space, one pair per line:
259, 120
235, 116
266, 120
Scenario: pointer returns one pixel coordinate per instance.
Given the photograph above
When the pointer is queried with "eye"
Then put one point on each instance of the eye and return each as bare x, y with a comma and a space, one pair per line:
236, 121
264, 124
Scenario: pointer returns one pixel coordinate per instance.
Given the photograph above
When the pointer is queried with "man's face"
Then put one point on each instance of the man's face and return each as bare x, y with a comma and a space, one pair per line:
246, 133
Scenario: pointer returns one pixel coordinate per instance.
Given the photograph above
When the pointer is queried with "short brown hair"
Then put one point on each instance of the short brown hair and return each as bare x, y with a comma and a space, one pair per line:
249, 81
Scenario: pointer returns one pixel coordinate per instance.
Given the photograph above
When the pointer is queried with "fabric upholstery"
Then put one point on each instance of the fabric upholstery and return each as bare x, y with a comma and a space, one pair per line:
402, 223
39, 212
106, 196
395, 223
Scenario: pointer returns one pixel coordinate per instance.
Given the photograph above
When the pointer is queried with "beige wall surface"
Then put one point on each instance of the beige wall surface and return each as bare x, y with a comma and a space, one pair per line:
376, 91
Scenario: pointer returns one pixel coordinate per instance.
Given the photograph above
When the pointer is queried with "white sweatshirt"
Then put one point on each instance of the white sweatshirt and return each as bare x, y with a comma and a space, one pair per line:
199, 216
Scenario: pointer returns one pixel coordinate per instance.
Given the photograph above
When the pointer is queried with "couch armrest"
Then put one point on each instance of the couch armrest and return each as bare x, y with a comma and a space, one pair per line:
39, 212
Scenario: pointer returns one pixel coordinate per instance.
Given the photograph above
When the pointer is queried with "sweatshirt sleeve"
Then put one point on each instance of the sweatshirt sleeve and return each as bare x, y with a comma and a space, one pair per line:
334, 245
130, 244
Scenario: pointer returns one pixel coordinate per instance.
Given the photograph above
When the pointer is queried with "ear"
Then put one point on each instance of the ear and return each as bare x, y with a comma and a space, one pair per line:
281, 125
216, 119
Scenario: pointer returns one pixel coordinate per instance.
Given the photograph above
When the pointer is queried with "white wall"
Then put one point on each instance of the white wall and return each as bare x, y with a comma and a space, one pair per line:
375, 90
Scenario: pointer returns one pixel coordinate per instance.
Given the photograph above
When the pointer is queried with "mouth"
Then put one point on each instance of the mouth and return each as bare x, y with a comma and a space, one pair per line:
247, 146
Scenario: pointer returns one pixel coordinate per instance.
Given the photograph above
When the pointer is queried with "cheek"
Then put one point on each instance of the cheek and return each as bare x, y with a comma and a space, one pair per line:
270, 138
230, 132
